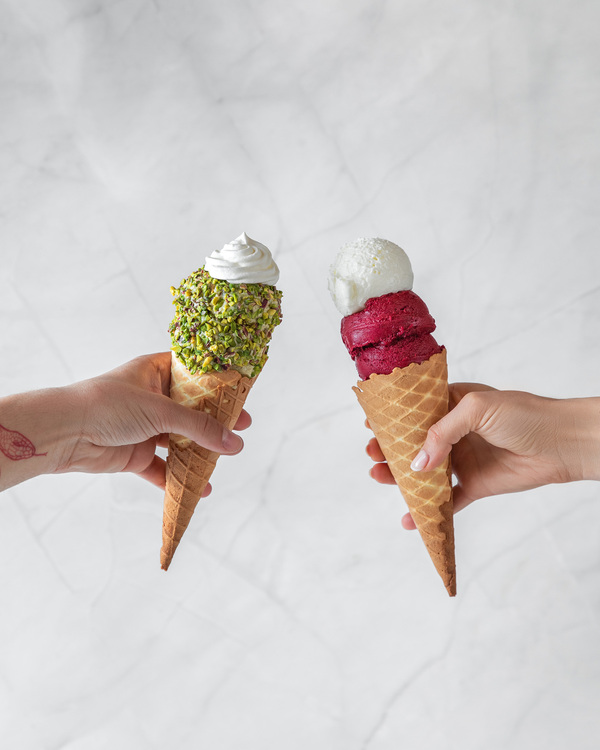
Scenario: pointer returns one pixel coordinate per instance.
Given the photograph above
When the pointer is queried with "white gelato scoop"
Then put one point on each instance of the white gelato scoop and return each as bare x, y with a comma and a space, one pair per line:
365, 268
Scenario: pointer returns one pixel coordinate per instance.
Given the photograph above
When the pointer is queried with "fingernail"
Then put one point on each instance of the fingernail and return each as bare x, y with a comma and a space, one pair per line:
231, 442
419, 461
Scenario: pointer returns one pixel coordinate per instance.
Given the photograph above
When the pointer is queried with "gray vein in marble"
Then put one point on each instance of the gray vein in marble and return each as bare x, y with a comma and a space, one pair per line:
529, 326
58, 173
135, 16
572, 576
333, 142
220, 101
39, 542
266, 593
183, 606
38, 321
64, 507
517, 722
483, 565
262, 504
225, 677
129, 272
395, 697
237, 665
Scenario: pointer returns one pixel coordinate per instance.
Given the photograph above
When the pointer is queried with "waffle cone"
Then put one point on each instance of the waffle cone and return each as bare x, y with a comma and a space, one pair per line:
400, 408
189, 466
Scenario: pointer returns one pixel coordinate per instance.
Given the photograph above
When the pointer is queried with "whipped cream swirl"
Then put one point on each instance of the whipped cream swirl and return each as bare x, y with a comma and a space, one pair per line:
243, 261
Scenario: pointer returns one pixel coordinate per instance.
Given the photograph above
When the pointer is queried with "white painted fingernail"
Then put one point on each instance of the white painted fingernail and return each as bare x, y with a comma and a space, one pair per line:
419, 461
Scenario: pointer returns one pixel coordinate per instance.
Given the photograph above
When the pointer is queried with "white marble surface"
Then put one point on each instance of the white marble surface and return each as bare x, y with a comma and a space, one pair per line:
135, 136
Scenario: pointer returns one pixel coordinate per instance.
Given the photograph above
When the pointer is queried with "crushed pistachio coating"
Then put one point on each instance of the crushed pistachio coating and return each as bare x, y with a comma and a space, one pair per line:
218, 325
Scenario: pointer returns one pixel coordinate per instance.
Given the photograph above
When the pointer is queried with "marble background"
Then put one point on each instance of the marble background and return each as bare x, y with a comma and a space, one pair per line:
138, 135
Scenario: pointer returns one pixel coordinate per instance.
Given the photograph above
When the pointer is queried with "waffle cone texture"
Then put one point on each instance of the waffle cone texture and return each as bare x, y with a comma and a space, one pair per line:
400, 408
221, 394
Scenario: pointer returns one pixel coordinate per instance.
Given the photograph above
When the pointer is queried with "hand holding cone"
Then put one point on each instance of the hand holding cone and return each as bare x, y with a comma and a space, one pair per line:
189, 465
225, 316
404, 380
400, 408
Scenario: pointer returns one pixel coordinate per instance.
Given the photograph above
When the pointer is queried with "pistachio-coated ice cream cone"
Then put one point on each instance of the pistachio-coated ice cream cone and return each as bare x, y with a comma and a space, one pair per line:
224, 320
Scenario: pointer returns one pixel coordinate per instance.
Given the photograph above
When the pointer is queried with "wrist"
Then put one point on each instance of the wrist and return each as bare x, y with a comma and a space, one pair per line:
36, 434
581, 449
592, 435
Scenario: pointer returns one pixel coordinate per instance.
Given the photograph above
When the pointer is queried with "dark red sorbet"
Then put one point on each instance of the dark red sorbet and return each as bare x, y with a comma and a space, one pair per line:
393, 330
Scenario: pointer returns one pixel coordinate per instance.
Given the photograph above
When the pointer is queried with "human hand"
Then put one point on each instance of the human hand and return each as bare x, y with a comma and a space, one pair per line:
506, 441
110, 423
127, 413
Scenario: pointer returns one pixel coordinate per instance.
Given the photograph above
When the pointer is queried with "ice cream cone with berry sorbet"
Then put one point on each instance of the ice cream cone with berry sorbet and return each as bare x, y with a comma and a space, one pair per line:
403, 390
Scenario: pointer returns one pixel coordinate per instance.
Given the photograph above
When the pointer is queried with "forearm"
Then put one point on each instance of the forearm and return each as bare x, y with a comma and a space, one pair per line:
580, 443
36, 433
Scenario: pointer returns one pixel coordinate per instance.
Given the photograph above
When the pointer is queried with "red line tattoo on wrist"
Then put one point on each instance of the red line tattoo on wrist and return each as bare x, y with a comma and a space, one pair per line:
16, 446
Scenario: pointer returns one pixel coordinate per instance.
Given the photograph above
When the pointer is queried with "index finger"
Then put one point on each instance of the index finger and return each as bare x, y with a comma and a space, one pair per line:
374, 451
244, 421
457, 391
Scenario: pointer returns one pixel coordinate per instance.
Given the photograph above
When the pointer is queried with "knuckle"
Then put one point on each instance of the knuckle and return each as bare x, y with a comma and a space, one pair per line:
475, 402
209, 427
479, 409
161, 412
435, 433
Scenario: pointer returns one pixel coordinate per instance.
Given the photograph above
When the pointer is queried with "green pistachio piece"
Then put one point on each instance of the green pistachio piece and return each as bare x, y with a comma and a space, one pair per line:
218, 325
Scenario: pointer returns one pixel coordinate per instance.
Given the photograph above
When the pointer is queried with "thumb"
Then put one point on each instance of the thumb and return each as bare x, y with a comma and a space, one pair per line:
467, 416
199, 427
